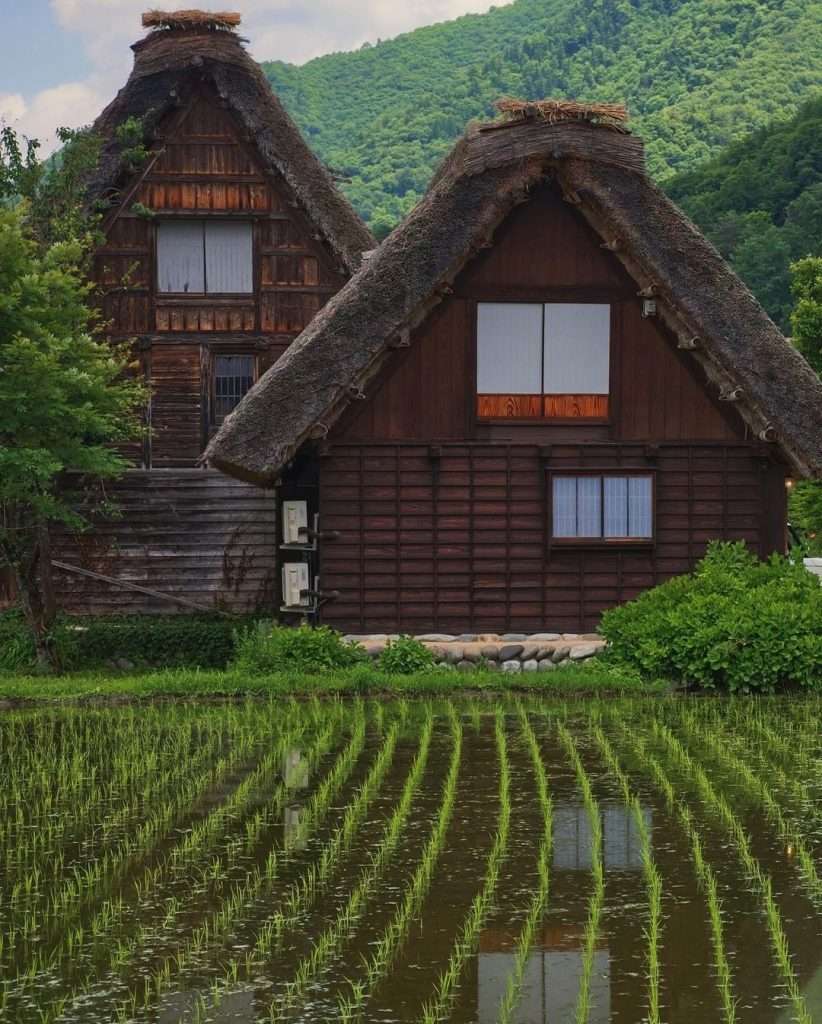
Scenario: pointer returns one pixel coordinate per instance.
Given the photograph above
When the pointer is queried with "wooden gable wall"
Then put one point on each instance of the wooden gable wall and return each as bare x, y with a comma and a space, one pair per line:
201, 167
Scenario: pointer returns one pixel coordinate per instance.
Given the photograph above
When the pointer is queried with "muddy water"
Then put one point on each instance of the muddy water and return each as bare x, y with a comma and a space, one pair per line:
166, 932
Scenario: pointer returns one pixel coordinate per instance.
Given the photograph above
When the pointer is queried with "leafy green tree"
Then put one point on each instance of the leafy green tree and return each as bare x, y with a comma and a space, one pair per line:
65, 396
806, 320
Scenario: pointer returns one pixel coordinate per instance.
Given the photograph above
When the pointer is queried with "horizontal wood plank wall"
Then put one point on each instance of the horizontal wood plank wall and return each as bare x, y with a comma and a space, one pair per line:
195, 534
201, 167
459, 542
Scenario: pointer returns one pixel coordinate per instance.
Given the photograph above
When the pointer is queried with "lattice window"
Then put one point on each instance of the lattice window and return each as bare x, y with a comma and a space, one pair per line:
611, 507
233, 377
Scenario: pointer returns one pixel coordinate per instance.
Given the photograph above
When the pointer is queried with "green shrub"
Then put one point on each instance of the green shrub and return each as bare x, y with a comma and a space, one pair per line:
734, 624
263, 649
174, 641
405, 656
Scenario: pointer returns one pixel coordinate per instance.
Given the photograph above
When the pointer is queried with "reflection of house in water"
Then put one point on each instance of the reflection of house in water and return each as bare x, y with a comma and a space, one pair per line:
181, 1008
551, 980
293, 835
295, 770
621, 848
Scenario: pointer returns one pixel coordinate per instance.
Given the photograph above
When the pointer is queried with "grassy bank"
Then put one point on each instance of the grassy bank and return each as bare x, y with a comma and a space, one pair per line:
590, 678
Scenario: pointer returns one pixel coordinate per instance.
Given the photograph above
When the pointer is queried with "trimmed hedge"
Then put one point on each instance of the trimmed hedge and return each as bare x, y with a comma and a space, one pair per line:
734, 624
175, 641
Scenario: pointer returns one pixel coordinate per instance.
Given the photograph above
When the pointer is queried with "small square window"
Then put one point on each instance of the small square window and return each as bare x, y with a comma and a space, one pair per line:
609, 507
233, 377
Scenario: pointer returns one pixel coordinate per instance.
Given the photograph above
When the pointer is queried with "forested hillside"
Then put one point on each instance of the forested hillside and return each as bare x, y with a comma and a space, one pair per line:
695, 74
760, 202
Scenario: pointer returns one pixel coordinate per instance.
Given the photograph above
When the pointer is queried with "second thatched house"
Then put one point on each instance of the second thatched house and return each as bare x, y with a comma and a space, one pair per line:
543, 393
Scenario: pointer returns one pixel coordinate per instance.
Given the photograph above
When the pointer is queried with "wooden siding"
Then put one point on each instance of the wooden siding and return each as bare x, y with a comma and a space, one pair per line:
201, 167
193, 534
429, 392
457, 538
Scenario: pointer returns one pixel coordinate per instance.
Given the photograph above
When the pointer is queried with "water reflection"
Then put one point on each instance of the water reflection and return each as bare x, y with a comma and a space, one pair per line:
181, 1007
295, 770
293, 835
621, 847
550, 984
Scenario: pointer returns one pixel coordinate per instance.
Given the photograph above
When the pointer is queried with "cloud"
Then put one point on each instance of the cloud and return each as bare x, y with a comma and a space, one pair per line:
289, 30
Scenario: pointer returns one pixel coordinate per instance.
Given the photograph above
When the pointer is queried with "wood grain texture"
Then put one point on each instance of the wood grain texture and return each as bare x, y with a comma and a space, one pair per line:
593, 407
459, 541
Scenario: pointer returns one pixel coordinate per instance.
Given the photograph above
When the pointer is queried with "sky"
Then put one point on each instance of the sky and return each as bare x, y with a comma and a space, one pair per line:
61, 61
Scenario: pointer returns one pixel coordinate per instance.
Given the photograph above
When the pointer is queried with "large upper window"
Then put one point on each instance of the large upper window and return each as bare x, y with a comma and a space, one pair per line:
202, 257
543, 360
608, 507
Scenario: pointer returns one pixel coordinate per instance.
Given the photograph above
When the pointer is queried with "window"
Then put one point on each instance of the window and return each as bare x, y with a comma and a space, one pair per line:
202, 257
543, 360
603, 507
233, 377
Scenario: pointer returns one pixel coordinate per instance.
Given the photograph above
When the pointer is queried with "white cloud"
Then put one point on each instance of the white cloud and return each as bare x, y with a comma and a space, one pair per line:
290, 30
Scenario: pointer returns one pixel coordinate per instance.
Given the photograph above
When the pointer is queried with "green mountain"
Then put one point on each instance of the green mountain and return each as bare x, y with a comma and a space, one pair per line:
695, 74
760, 203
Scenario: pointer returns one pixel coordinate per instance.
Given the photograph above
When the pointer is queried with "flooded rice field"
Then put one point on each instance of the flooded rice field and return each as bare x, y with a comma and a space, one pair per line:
521, 862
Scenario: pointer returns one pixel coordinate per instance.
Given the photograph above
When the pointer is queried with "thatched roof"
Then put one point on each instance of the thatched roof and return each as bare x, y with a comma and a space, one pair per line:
185, 48
600, 170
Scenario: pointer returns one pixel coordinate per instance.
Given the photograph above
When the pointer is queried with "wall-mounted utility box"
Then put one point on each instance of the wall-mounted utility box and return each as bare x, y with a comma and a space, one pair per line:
296, 579
295, 522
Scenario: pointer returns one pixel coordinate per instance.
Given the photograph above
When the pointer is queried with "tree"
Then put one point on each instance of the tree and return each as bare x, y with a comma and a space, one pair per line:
806, 321
65, 395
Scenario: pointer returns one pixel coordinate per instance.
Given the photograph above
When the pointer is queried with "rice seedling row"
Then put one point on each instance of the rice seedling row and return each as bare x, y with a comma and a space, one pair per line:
410, 862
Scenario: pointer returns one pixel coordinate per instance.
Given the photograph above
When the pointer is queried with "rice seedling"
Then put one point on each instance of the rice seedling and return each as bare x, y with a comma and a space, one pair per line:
466, 940
539, 900
597, 900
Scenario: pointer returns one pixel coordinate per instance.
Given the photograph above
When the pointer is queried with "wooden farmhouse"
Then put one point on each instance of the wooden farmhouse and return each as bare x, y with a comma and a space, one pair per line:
543, 393
219, 249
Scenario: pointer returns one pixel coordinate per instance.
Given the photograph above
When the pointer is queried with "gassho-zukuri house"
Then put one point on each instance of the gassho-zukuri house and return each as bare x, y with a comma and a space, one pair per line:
543, 393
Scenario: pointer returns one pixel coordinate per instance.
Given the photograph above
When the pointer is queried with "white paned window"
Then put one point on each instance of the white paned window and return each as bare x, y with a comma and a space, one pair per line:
577, 349
509, 348
205, 257
607, 507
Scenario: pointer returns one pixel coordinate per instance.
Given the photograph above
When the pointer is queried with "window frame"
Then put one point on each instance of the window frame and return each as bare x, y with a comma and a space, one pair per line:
206, 296
601, 541
212, 423
590, 298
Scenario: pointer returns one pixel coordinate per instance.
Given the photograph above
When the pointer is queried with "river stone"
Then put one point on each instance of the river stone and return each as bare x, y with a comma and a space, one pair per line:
590, 636
453, 654
436, 638
546, 666
374, 648
570, 636
560, 654
544, 652
582, 651
466, 666
512, 666
545, 636
467, 638
514, 636
509, 651
490, 651
472, 652
531, 665
529, 652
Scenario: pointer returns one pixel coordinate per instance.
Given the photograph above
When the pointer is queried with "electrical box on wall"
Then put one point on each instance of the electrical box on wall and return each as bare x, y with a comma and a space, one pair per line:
296, 580
295, 522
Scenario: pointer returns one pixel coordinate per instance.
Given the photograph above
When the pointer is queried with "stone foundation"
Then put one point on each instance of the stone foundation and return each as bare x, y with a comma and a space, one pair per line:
509, 652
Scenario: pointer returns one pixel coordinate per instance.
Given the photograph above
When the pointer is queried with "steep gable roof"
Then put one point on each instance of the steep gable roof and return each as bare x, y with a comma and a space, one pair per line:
187, 48
600, 169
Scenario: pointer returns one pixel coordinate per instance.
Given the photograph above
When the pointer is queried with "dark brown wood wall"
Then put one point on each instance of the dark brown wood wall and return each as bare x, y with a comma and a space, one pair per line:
443, 519
201, 167
195, 534
456, 538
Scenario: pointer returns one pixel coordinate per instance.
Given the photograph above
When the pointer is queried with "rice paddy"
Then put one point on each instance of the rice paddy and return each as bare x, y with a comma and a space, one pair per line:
508, 862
